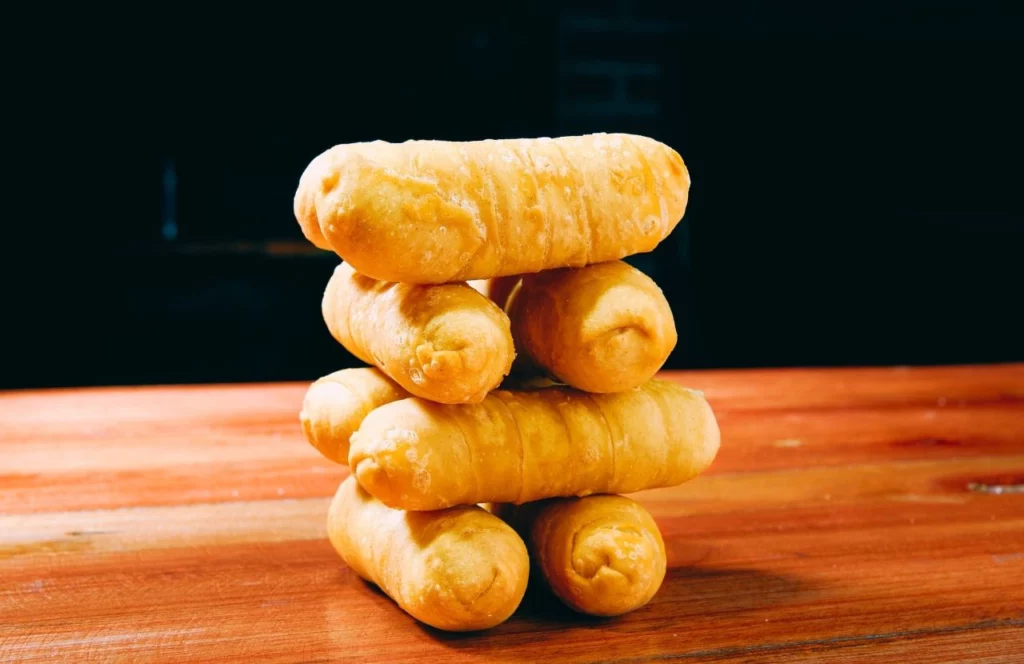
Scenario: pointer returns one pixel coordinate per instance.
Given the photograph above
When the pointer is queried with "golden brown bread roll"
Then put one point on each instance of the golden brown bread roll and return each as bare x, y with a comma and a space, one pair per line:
602, 328
446, 343
438, 211
336, 404
601, 555
517, 447
458, 570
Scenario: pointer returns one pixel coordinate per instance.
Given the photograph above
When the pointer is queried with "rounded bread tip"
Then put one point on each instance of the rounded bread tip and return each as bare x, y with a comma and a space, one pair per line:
618, 564
386, 205
380, 479
712, 432
469, 584
364, 468
486, 589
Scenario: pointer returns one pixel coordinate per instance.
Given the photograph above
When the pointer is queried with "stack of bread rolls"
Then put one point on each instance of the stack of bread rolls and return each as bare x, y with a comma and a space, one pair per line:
510, 395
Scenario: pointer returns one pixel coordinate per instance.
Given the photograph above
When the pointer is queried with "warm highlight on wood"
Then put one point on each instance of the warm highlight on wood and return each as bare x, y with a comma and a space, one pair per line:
851, 515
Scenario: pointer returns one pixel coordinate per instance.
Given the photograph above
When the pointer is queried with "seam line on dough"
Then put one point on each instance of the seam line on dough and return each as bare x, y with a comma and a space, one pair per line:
583, 219
543, 209
469, 448
612, 481
572, 450
470, 201
572, 550
650, 179
487, 175
584, 192
522, 449
657, 396
461, 274
468, 604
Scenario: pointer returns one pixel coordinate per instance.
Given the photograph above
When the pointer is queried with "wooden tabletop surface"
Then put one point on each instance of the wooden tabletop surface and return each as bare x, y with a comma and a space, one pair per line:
852, 514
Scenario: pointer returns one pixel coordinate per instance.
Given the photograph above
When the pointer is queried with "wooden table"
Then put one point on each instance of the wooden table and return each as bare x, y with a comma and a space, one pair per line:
862, 515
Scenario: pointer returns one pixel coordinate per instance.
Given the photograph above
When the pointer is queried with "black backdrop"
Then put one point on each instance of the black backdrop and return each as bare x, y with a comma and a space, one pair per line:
856, 175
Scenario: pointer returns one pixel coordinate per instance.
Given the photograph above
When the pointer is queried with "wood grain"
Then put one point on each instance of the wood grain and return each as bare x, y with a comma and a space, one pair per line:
854, 514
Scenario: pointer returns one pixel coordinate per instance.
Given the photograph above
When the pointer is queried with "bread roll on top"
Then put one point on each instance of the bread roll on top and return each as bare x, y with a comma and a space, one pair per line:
441, 211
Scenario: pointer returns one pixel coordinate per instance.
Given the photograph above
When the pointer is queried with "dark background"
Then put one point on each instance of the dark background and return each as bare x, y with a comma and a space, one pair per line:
856, 173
